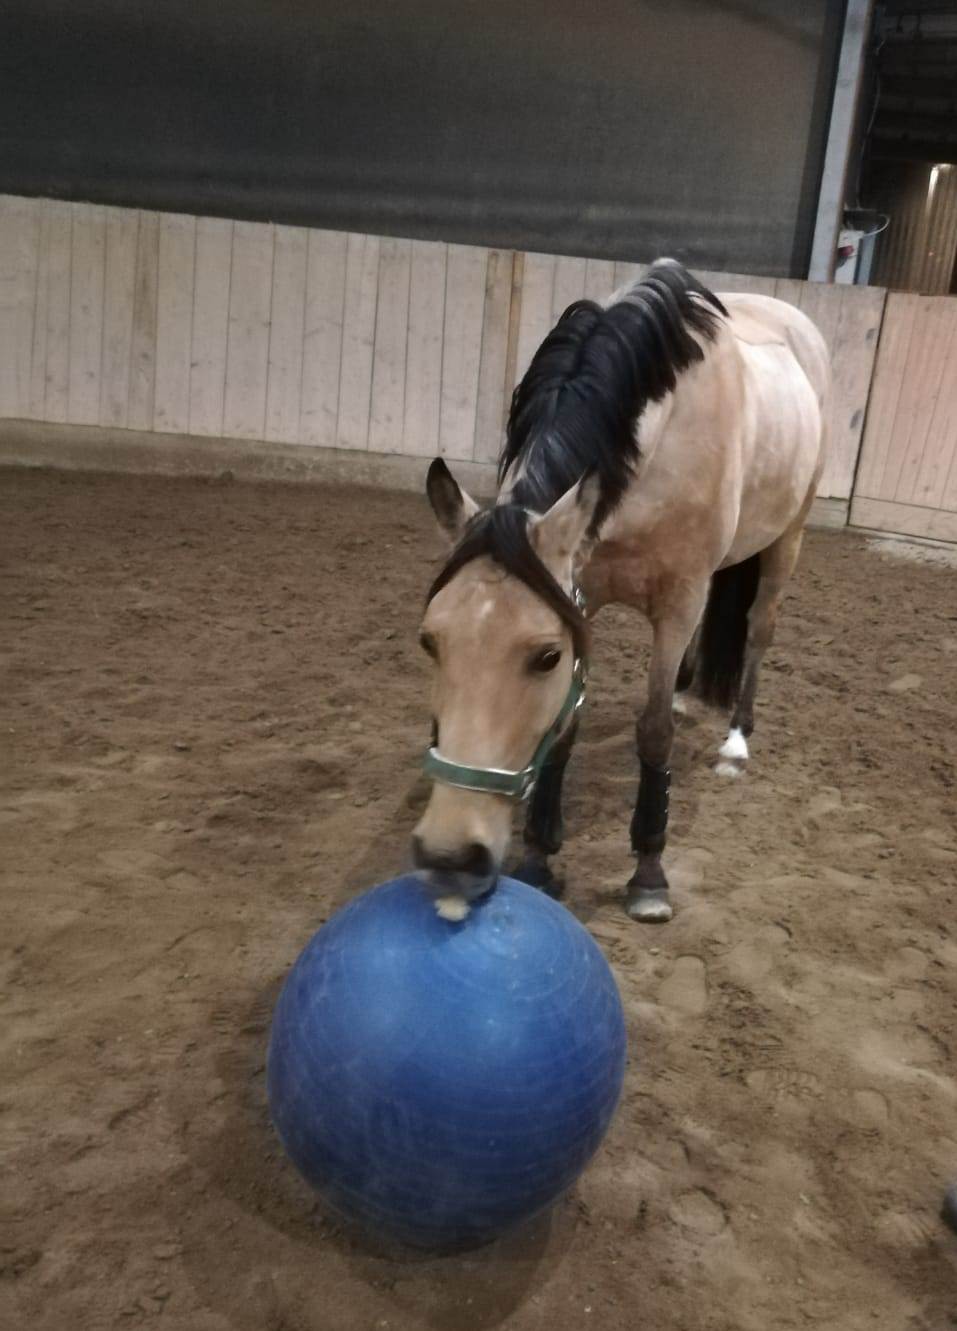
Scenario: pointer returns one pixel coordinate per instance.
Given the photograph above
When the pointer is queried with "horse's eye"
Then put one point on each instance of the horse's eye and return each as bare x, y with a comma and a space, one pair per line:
428, 645
546, 660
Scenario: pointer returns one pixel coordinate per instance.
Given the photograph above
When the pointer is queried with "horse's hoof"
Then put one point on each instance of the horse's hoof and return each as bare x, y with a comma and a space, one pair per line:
537, 874
649, 905
647, 898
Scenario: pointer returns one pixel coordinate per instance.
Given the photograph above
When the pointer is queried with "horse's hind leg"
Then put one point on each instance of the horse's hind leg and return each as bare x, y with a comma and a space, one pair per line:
777, 563
544, 825
648, 898
686, 671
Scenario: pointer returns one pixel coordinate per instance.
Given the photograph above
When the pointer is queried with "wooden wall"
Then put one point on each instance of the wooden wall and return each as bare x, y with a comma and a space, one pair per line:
209, 327
203, 326
907, 478
916, 251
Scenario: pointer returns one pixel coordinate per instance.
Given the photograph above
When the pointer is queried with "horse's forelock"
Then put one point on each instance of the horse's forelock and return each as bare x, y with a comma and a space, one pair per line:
501, 534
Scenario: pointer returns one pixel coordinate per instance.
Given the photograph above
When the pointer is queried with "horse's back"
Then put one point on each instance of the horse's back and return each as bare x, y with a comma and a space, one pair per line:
734, 453
759, 320
786, 377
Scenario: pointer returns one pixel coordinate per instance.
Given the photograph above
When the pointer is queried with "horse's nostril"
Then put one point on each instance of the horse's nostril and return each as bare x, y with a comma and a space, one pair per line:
474, 859
477, 860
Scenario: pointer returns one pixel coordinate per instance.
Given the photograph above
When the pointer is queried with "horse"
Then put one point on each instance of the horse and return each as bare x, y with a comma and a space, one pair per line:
662, 452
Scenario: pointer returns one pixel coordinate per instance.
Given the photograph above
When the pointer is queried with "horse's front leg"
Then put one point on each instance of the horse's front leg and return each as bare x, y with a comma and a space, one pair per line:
544, 825
648, 898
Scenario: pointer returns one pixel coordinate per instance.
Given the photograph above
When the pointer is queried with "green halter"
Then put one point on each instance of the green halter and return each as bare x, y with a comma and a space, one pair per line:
497, 780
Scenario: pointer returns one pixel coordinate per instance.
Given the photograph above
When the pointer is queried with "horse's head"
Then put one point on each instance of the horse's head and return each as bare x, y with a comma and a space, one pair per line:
505, 635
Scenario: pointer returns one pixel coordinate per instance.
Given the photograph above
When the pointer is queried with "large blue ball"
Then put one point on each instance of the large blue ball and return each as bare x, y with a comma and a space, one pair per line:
441, 1081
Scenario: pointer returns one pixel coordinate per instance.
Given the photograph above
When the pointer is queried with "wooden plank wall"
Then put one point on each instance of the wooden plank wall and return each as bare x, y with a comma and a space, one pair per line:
916, 251
907, 478
210, 327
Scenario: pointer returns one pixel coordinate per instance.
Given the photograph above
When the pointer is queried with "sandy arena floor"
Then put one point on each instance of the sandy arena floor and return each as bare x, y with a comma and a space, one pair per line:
212, 715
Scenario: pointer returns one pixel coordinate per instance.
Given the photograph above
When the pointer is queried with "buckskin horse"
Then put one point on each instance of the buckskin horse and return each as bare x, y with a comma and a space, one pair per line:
662, 451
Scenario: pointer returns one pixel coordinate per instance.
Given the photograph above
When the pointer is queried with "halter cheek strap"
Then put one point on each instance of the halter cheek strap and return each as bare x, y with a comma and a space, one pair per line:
497, 780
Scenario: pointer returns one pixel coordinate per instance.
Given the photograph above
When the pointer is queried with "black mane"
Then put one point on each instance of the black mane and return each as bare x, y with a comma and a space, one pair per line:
577, 408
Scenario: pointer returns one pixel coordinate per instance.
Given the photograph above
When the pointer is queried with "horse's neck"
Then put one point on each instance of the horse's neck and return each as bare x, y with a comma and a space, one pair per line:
652, 431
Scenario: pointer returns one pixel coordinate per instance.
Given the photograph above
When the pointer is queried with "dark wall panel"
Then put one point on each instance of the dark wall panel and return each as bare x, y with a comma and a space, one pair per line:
620, 128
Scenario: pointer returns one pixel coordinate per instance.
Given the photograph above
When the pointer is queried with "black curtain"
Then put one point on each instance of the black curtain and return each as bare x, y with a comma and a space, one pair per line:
612, 128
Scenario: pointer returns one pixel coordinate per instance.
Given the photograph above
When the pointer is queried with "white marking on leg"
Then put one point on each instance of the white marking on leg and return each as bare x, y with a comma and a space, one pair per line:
735, 746
679, 705
728, 769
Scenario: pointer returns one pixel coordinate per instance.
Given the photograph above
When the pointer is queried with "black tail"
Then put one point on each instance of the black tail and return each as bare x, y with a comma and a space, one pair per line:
724, 632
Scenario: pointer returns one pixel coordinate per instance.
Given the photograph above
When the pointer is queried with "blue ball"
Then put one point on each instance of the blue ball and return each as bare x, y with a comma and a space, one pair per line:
439, 1081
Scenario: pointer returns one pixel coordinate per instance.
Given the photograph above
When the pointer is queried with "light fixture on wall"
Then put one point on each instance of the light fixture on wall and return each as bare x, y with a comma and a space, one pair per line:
935, 171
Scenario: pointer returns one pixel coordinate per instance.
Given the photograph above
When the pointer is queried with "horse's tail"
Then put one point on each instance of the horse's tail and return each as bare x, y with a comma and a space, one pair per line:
724, 632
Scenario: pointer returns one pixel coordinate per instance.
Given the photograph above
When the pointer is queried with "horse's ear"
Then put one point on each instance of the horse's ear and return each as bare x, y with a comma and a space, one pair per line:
451, 505
560, 534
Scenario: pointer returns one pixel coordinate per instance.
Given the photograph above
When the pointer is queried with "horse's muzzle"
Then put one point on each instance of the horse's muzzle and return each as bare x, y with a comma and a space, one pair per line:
469, 871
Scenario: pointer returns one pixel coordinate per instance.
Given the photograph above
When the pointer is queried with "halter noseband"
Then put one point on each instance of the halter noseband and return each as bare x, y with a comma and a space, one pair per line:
498, 780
